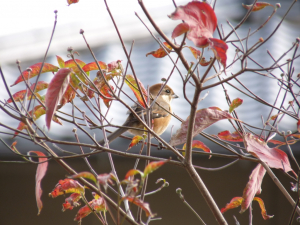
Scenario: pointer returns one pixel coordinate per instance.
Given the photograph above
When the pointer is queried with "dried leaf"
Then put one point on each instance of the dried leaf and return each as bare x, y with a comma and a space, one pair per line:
160, 53
227, 136
66, 186
234, 203
204, 118
263, 209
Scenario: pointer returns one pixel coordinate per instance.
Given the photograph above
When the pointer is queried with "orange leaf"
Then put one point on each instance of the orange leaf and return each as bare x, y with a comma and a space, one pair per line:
66, 186
253, 186
151, 167
204, 118
227, 136
200, 145
35, 71
234, 203
143, 205
135, 140
203, 61
72, 1
196, 53
298, 126
40, 173
258, 6
131, 82
55, 92
219, 49
93, 66
263, 209
234, 104
160, 53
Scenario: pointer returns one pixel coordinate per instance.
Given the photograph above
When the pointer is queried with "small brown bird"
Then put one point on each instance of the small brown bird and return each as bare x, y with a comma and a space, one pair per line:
159, 117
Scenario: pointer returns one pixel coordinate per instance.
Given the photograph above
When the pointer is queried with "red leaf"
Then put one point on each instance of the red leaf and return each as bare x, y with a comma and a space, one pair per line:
131, 82
135, 140
235, 202
227, 136
180, 29
97, 204
204, 118
258, 6
275, 158
66, 186
35, 71
71, 201
55, 92
219, 49
234, 104
160, 53
40, 173
263, 209
93, 66
143, 205
201, 19
298, 126
133, 172
253, 187
105, 178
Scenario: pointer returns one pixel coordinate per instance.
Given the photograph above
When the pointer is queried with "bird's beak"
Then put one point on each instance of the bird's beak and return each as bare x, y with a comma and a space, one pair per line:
175, 96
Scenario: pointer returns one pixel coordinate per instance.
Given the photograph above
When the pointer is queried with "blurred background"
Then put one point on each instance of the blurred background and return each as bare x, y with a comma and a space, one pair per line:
25, 32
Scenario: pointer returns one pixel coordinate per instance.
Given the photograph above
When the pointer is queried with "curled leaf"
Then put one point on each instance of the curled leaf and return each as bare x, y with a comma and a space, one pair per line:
151, 167
86, 175
227, 136
135, 140
40, 173
66, 186
143, 205
234, 203
263, 208
258, 6
204, 118
72, 201
160, 53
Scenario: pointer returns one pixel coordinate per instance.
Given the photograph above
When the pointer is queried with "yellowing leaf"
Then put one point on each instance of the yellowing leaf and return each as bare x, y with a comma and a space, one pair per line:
234, 104
135, 140
160, 53
131, 82
151, 167
234, 203
258, 6
200, 145
263, 208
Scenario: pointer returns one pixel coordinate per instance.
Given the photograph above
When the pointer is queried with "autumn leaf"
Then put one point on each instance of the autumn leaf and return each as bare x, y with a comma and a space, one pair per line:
35, 71
105, 179
93, 66
196, 53
86, 175
234, 203
131, 82
55, 92
253, 186
19, 96
160, 53
133, 172
234, 104
72, 1
204, 118
60, 62
200, 145
263, 208
135, 140
71, 202
66, 186
143, 205
275, 158
97, 205
151, 167
200, 22
298, 126
227, 136
40, 173
258, 6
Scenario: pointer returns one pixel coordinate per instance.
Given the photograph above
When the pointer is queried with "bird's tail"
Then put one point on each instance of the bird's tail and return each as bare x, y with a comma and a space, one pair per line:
113, 135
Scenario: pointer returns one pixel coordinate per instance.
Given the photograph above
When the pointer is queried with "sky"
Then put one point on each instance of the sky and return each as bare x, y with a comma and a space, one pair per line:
23, 15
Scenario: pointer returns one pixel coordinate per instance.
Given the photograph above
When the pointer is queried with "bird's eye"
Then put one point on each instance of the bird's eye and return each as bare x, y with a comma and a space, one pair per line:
168, 91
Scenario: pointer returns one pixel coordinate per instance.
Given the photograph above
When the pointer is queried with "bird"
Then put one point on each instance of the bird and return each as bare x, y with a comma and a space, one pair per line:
159, 117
